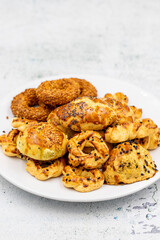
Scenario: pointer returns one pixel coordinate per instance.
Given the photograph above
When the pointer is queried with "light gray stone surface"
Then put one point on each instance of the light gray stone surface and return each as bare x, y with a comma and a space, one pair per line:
116, 38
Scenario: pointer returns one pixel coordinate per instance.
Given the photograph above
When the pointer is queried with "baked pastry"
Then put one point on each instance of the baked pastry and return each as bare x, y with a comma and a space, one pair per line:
58, 92
130, 130
23, 104
8, 142
84, 113
82, 180
128, 163
123, 111
86, 88
119, 96
44, 170
150, 142
98, 154
22, 123
137, 112
41, 141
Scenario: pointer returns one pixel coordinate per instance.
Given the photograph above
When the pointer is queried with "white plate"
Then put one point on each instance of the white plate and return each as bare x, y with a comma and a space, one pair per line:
13, 169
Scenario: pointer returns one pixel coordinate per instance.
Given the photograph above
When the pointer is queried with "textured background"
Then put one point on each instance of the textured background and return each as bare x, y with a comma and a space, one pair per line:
116, 38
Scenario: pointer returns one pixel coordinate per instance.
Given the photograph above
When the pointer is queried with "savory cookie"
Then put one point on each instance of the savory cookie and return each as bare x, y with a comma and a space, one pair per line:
82, 180
44, 170
128, 163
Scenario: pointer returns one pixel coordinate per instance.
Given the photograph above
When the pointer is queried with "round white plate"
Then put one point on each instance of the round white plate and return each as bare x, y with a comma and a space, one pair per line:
13, 169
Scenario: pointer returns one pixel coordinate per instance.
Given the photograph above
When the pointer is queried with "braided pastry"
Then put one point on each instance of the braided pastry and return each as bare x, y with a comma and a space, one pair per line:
130, 130
117, 96
123, 111
82, 180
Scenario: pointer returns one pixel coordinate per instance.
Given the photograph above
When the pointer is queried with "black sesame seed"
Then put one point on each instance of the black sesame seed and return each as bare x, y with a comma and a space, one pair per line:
67, 174
146, 162
98, 177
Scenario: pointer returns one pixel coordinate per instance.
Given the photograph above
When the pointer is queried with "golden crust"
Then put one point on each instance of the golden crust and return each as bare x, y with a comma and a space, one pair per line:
22, 106
58, 92
83, 114
119, 96
22, 123
122, 110
128, 163
8, 142
130, 130
150, 142
137, 112
42, 141
45, 170
86, 88
82, 180
94, 159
